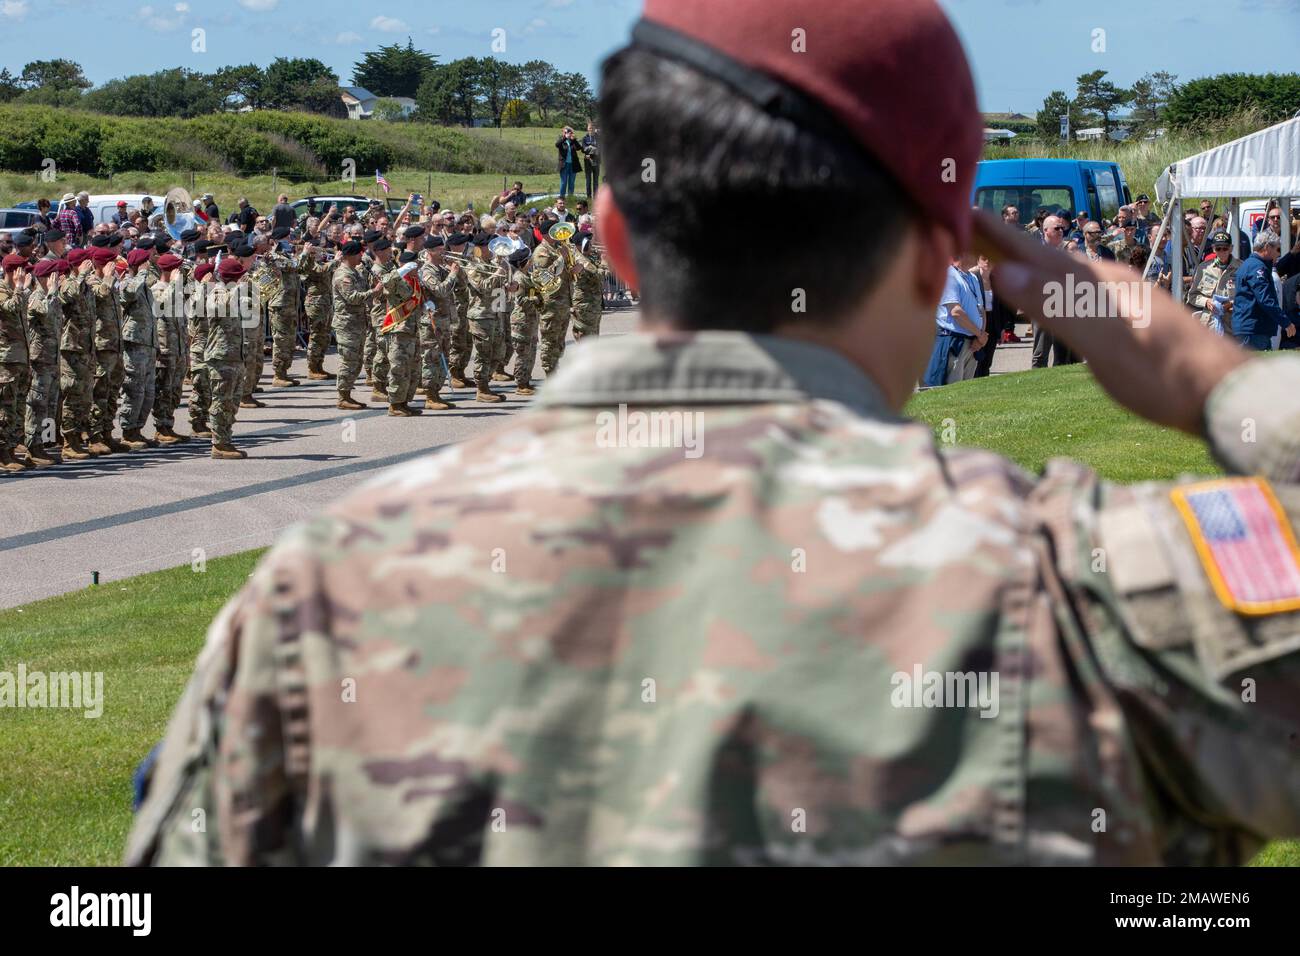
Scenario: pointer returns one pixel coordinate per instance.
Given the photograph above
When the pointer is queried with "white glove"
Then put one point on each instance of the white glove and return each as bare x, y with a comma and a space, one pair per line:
407, 269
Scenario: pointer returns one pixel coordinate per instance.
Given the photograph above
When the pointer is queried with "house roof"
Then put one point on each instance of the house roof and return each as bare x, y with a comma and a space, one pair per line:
358, 93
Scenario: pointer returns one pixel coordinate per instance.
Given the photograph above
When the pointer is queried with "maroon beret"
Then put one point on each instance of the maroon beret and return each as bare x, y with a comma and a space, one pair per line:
137, 256
13, 261
230, 269
891, 74
77, 256
63, 265
169, 261
202, 269
102, 254
44, 267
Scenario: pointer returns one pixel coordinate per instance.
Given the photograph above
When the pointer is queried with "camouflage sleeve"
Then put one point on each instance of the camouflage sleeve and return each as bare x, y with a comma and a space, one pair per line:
227, 784
1209, 695
347, 291
70, 290
129, 291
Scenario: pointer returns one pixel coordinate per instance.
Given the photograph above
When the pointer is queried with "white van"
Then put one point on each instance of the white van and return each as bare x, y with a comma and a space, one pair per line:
104, 207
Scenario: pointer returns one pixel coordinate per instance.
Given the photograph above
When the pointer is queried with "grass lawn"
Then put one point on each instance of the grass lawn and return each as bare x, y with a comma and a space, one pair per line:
65, 791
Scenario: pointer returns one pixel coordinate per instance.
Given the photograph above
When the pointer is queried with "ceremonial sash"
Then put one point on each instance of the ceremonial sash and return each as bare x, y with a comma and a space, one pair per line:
394, 317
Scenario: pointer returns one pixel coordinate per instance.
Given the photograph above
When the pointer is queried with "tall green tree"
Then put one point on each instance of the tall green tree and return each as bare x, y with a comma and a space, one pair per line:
239, 86
287, 77
1103, 97
540, 88
1150, 98
1275, 96
53, 75
498, 81
393, 70
574, 97
1056, 105
9, 86
176, 92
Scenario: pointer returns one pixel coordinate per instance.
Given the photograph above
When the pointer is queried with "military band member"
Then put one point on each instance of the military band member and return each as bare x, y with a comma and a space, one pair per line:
316, 274
588, 289
523, 322
382, 263
439, 285
1213, 282
282, 307
351, 291
401, 339
460, 346
487, 290
554, 321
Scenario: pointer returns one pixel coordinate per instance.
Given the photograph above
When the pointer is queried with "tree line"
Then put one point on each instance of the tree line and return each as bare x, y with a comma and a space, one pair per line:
1158, 101
459, 92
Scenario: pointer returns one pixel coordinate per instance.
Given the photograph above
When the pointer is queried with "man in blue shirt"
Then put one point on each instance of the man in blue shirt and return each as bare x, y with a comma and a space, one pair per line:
960, 327
1256, 314
568, 162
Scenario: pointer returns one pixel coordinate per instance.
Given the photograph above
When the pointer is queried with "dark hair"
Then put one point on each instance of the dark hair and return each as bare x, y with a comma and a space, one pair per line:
722, 163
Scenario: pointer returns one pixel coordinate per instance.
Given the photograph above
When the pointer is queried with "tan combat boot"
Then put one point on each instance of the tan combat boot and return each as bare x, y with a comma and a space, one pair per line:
133, 439
433, 402
73, 450
484, 394
250, 402
378, 395
228, 452
283, 381
9, 463
166, 436
349, 403
500, 377
525, 390
39, 456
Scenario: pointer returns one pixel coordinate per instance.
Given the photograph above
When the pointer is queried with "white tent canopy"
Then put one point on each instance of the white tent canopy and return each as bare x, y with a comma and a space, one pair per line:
1266, 163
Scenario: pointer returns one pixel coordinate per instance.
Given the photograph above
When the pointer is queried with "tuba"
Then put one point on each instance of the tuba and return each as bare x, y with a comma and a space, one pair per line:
177, 214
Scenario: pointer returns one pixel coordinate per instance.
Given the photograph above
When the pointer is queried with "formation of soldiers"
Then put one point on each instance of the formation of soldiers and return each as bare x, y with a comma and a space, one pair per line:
106, 336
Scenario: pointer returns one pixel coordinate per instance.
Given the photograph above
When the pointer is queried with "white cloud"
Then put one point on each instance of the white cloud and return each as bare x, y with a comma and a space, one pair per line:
387, 25
535, 24
434, 30
161, 21
13, 9
348, 37
259, 6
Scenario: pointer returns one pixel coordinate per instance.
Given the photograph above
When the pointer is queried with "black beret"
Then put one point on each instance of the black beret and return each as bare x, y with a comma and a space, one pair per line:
115, 239
100, 241
406, 257
518, 257
371, 236
53, 235
457, 239
413, 232
189, 235
208, 246
379, 245
432, 242
280, 232
482, 239
234, 237
25, 238
352, 248
243, 251
146, 242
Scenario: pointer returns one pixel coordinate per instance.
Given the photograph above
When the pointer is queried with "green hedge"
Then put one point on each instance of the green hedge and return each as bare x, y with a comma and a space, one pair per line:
296, 144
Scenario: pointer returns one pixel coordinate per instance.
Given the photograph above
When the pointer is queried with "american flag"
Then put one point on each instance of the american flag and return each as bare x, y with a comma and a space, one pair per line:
1245, 542
379, 178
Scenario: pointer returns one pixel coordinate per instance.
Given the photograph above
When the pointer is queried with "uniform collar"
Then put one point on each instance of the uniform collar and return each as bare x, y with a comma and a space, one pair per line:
712, 367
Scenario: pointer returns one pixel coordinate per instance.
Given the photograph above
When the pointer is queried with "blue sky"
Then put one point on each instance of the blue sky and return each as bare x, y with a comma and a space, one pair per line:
1019, 49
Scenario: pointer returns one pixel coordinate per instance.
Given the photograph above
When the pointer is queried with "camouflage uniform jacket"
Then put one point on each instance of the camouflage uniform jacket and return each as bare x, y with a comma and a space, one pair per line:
138, 320
1209, 280
108, 312
226, 335
44, 318
549, 257
78, 333
439, 288
351, 287
395, 290
315, 277
589, 283
567, 642
486, 290
13, 324
276, 279
197, 319
169, 302
378, 297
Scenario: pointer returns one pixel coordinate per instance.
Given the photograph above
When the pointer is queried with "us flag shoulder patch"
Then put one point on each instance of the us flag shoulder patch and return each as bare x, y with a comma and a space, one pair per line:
1245, 543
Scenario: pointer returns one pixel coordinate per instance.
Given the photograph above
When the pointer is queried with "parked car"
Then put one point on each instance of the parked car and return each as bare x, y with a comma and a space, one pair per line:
1062, 185
104, 207
14, 221
319, 205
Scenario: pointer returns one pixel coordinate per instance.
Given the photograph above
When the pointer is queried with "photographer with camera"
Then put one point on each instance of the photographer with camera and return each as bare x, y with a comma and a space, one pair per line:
591, 150
569, 163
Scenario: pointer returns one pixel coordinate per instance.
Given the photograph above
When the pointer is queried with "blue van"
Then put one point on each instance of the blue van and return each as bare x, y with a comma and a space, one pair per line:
1062, 185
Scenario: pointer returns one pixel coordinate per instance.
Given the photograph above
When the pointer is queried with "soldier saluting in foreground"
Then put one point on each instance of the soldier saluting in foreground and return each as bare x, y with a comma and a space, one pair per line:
543, 646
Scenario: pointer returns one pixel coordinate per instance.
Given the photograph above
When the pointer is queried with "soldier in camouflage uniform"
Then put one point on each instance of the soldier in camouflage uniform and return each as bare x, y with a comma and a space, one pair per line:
439, 285
523, 323
76, 355
779, 623
168, 294
15, 373
1215, 277
139, 349
351, 292
282, 308
398, 288
487, 289
109, 371
588, 292
317, 302
554, 322
44, 318
382, 263
460, 344
197, 318
230, 316
263, 282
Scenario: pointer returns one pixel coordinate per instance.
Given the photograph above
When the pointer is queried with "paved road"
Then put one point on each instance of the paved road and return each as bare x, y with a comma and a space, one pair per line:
127, 514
